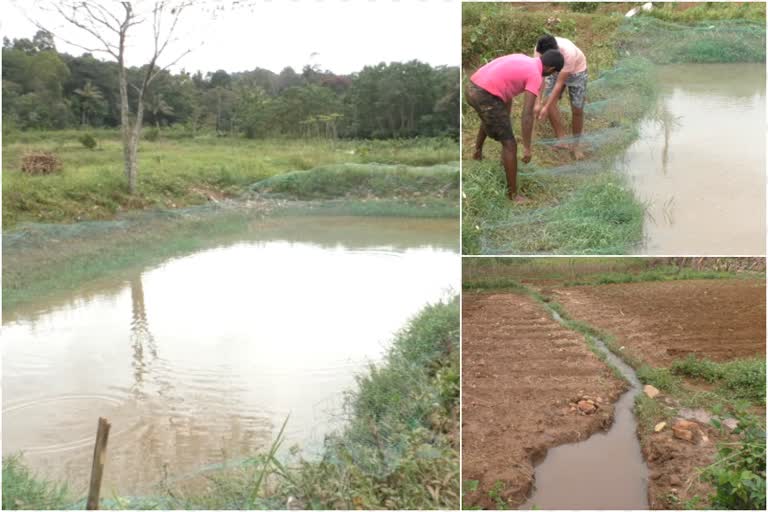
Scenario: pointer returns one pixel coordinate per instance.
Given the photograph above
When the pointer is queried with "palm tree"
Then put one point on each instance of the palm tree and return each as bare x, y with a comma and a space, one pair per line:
90, 95
158, 106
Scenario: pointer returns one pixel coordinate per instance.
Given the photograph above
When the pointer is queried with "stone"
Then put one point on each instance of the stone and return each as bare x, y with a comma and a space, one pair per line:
650, 391
731, 423
585, 407
660, 426
675, 481
681, 433
687, 425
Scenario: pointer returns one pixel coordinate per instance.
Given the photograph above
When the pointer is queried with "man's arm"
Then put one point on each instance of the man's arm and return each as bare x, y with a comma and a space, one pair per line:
527, 117
562, 76
539, 99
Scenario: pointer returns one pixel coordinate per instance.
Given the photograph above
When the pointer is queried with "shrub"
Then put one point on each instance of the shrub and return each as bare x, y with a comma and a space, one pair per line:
738, 474
88, 141
584, 6
151, 134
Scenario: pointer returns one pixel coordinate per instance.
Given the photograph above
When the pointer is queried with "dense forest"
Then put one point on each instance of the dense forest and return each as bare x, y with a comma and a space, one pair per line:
45, 89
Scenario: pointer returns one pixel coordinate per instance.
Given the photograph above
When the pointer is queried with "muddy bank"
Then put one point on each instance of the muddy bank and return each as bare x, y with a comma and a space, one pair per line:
675, 464
523, 374
663, 321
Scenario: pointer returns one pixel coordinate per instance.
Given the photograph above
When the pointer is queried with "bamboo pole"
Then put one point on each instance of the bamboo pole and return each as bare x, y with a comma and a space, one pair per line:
97, 468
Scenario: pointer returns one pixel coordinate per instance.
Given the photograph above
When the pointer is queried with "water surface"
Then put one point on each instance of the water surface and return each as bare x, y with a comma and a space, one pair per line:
199, 360
604, 472
700, 162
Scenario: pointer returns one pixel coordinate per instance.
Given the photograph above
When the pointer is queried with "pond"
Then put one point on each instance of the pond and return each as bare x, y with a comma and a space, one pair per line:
699, 163
199, 360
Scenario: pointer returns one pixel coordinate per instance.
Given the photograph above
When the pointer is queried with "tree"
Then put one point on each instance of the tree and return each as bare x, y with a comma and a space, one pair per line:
107, 32
90, 96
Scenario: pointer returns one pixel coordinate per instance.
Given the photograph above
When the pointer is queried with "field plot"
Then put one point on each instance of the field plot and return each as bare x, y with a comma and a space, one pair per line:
687, 334
522, 374
660, 322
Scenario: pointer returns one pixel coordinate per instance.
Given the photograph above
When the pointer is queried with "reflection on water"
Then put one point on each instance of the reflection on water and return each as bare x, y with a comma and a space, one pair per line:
199, 360
700, 164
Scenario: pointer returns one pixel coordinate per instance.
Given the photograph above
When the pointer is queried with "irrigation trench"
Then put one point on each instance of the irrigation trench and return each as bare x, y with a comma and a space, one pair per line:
607, 470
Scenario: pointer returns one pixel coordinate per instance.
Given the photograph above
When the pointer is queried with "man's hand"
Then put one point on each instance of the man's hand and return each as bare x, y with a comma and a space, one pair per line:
527, 155
541, 114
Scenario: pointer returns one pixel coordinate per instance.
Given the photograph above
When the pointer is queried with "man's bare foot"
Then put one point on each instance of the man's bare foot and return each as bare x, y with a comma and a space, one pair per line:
478, 155
563, 146
577, 154
519, 199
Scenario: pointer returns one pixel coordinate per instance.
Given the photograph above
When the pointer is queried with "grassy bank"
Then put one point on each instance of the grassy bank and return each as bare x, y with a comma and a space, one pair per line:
44, 259
575, 207
494, 272
584, 207
175, 171
398, 450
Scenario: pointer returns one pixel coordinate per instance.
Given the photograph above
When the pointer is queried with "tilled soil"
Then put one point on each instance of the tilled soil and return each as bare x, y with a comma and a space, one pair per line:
660, 322
522, 371
664, 321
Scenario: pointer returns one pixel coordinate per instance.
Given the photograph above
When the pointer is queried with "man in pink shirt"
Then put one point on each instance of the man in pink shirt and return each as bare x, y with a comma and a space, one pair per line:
574, 76
490, 93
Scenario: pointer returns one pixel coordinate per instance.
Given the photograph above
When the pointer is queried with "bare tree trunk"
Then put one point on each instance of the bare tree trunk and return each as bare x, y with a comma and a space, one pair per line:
125, 118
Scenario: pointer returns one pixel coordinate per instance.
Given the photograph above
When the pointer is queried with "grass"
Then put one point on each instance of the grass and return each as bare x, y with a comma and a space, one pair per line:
22, 489
740, 379
492, 273
363, 180
175, 172
670, 273
574, 207
398, 449
710, 11
585, 207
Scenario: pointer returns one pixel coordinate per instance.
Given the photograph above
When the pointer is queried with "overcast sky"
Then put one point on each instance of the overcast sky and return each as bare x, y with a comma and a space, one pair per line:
340, 35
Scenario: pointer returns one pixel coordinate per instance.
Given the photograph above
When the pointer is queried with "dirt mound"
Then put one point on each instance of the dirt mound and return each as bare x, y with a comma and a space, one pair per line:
674, 464
664, 321
523, 377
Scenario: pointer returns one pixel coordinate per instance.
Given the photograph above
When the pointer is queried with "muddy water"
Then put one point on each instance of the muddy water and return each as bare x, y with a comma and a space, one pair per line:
199, 360
701, 164
604, 472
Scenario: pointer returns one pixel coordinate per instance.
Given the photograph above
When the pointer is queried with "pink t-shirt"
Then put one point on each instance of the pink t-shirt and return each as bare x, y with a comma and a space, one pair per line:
508, 76
575, 61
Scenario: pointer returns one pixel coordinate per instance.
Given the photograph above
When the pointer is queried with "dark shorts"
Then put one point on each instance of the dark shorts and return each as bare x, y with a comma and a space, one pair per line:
492, 111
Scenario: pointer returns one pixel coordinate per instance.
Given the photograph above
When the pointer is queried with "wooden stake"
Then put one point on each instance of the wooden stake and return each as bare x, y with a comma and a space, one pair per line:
97, 469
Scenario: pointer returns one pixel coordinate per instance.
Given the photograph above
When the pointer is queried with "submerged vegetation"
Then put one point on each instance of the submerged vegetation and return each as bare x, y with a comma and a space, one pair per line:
398, 449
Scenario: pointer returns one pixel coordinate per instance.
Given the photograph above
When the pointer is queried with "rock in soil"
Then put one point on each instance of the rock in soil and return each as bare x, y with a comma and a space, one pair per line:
650, 391
660, 426
686, 430
586, 407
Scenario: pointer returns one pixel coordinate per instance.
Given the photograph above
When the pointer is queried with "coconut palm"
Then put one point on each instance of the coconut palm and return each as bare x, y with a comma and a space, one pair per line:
90, 96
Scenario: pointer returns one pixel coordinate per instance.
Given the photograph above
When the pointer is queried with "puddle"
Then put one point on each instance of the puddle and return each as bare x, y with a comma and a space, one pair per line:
199, 360
702, 167
604, 472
